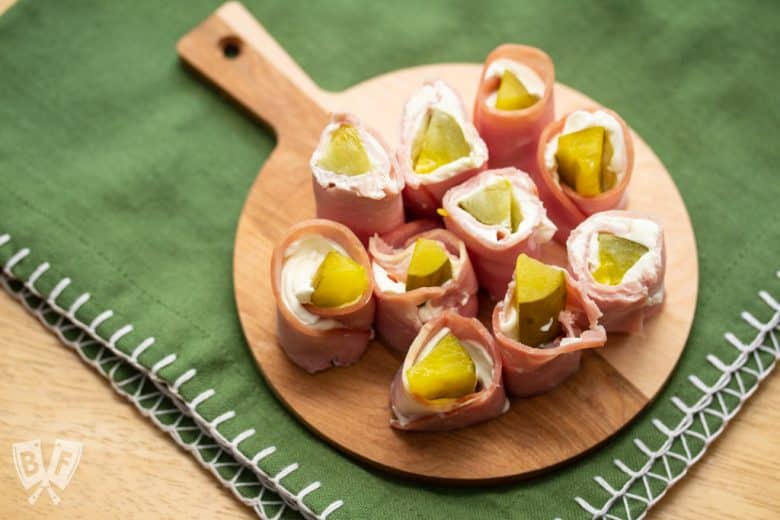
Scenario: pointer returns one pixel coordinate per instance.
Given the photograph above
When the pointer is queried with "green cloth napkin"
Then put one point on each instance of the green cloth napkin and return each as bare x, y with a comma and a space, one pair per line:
124, 174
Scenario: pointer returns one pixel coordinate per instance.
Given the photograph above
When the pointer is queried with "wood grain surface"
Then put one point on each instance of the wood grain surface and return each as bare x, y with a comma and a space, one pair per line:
131, 469
612, 385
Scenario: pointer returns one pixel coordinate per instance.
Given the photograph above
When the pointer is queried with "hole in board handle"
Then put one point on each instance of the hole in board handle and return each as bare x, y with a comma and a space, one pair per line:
231, 47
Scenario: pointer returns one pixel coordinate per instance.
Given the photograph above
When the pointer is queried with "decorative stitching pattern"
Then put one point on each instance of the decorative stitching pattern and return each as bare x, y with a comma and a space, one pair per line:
162, 411
701, 423
272, 482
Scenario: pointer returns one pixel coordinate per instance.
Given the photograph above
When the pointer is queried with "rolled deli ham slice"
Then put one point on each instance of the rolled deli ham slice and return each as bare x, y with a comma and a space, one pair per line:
625, 299
368, 202
493, 247
401, 313
566, 207
411, 411
534, 370
512, 135
317, 337
439, 147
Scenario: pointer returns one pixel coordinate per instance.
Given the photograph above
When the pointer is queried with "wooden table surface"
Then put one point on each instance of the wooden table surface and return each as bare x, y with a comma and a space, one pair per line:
129, 468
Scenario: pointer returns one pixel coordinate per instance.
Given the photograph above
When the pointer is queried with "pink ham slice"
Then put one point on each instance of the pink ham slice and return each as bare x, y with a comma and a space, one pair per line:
494, 260
534, 370
627, 305
423, 197
310, 348
412, 412
400, 316
356, 207
566, 207
512, 136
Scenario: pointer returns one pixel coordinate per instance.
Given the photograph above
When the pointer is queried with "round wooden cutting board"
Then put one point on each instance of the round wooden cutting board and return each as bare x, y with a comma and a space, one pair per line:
348, 407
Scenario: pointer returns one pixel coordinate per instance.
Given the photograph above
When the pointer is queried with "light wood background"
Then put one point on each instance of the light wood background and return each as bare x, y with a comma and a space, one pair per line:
131, 469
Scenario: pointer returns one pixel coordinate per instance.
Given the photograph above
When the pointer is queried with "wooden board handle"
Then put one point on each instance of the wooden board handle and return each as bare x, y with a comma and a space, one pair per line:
232, 49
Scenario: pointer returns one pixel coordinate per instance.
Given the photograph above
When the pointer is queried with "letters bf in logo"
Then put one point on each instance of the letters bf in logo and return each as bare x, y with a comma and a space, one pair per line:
28, 458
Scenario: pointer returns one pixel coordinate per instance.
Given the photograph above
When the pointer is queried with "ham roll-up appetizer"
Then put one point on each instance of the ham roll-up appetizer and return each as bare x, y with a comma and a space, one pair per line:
585, 164
450, 378
355, 178
541, 327
514, 104
419, 271
439, 147
619, 259
498, 215
320, 274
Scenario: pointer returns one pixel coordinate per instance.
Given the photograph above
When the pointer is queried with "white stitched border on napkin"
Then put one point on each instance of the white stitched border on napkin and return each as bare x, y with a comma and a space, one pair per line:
294, 500
712, 402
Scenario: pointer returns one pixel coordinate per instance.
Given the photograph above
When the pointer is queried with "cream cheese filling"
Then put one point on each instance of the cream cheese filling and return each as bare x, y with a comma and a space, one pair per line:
302, 258
534, 223
582, 119
374, 184
527, 76
441, 97
641, 231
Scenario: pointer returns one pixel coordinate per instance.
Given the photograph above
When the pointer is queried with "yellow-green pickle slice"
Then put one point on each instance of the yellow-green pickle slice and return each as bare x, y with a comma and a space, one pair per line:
516, 212
608, 177
512, 94
339, 281
447, 372
429, 267
441, 142
540, 296
345, 153
494, 205
616, 256
583, 158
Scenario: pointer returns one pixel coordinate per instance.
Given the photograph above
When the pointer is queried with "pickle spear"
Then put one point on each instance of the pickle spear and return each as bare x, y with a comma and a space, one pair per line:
345, 153
491, 205
616, 256
512, 94
608, 177
495, 205
579, 157
442, 141
429, 267
446, 372
540, 296
516, 212
339, 281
